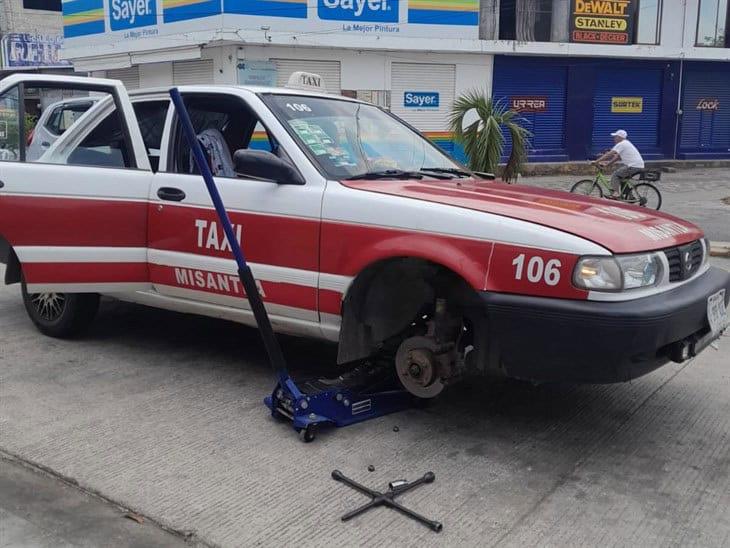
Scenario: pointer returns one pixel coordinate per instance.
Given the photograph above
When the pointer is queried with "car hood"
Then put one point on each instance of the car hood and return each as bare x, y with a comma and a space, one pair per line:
618, 227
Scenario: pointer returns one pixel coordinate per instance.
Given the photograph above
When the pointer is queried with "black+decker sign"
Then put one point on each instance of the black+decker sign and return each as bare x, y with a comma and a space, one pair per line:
603, 21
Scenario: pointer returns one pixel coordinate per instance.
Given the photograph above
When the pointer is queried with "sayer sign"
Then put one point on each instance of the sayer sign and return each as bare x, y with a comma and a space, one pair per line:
421, 99
603, 21
128, 14
374, 11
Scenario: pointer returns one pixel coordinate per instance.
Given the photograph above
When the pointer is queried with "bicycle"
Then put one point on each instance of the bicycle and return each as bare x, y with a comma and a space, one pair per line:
643, 194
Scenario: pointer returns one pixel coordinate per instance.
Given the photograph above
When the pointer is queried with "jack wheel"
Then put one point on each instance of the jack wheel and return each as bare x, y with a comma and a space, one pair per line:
308, 434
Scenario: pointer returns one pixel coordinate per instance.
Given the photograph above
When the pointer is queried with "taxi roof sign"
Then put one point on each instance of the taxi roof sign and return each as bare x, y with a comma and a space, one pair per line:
307, 81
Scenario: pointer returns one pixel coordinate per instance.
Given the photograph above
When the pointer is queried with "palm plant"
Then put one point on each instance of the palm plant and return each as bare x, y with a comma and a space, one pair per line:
483, 138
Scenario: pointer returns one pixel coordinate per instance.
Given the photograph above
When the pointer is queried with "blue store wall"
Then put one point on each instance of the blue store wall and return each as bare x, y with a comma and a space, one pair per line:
578, 120
704, 129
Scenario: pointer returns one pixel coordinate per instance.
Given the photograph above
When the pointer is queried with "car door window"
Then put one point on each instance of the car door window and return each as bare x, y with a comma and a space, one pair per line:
105, 146
223, 124
151, 119
63, 117
9, 129
102, 139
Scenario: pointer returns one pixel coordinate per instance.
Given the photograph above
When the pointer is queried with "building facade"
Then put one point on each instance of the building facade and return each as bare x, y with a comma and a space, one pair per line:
576, 69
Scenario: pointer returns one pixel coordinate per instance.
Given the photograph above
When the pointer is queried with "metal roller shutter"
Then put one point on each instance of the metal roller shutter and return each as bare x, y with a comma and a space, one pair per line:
514, 79
642, 127
425, 78
705, 126
328, 70
128, 76
199, 71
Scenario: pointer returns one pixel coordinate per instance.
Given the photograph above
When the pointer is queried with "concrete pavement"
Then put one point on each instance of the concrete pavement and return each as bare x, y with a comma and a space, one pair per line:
162, 413
693, 194
38, 511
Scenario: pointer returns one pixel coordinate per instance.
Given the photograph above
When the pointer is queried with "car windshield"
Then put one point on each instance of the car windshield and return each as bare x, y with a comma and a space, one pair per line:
352, 140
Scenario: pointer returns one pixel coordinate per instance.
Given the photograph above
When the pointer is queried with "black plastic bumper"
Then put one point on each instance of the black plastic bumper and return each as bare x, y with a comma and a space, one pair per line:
545, 340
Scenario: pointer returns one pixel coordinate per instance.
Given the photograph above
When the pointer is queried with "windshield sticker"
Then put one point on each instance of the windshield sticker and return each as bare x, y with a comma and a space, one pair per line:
321, 144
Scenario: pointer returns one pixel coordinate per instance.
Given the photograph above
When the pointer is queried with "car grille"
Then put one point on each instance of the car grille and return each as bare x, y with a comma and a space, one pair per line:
684, 261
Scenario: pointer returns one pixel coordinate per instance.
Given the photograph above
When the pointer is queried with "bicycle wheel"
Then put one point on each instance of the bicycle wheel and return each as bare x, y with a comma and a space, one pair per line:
588, 187
647, 195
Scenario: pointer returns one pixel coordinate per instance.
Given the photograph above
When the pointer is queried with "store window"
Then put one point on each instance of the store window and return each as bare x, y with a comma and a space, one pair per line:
649, 20
712, 21
45, 5
526, 20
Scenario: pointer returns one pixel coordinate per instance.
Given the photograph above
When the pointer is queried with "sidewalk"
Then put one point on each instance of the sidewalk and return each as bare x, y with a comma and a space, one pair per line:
38, 510
700, 195
585, 168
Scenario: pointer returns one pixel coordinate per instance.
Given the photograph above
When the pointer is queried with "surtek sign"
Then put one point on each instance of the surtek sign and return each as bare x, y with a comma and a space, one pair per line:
128, 14
374, 11
627, 105
603, 21
421, 100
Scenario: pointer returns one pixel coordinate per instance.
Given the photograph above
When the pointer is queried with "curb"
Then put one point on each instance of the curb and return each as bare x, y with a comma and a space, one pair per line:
720, 249
584, 168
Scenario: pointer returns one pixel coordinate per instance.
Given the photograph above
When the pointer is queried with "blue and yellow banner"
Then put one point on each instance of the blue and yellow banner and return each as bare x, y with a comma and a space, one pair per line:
443, 12
82, 17
267, 8
184, 10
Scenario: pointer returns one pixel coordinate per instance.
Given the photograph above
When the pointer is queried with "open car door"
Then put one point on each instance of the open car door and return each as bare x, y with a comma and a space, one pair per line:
75, 217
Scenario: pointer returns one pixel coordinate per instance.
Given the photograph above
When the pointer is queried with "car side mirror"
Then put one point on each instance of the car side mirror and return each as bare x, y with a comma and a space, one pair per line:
262, 164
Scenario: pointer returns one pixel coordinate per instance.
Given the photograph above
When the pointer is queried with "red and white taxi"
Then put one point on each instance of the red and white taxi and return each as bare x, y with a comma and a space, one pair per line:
359, 231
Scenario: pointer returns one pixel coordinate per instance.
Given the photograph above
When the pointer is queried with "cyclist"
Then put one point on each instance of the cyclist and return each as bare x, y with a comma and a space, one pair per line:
632, 161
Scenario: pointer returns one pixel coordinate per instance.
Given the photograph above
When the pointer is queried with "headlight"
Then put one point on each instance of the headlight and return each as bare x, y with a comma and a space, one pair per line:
706, 257
617, 273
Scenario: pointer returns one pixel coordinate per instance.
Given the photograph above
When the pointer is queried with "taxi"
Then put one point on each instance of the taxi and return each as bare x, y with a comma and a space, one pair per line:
359, 232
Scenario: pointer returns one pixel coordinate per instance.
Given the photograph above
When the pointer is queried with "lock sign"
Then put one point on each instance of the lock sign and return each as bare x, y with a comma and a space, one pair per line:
129, 14
371, 11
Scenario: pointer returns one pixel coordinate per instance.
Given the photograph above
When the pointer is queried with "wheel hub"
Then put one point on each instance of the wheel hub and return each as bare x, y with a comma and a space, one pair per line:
49, 306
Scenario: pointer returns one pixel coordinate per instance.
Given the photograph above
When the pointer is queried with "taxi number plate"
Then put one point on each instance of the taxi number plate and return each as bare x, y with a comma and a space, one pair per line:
717, 312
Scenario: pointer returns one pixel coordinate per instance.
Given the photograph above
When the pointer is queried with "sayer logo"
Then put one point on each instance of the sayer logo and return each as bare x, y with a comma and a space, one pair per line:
127, 14
421, 99
376, 11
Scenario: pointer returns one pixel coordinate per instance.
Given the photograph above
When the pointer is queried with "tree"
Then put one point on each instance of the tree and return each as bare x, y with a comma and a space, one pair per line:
478, 122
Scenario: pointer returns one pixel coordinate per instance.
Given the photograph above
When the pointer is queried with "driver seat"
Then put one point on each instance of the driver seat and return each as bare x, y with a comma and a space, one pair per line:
216, 150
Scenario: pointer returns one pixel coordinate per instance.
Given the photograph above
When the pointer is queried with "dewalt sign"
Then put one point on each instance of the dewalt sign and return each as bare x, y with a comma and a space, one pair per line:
603, 21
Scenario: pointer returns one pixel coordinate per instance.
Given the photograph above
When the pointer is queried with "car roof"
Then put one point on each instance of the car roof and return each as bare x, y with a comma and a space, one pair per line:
236, 88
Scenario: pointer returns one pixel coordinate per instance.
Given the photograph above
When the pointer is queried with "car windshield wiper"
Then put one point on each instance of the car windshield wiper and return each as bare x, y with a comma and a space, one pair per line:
447, 170
386, 174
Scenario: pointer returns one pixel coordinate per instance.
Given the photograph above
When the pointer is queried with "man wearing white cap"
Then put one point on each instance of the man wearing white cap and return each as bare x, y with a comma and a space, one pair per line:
625, 151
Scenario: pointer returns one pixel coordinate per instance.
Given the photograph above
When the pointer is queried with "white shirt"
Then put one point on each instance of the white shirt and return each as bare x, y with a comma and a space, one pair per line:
629, 154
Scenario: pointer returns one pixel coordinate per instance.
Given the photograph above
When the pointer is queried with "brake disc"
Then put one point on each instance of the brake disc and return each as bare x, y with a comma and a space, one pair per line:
417, 366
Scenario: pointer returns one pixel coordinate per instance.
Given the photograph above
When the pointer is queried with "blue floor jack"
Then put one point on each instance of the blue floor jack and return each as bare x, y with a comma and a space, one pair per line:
358, 395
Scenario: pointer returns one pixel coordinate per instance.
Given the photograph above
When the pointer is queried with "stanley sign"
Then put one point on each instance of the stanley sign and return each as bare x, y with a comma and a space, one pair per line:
603, 21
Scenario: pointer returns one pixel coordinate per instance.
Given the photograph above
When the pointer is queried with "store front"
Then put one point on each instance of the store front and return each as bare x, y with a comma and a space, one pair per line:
398, 54
572, 105
538, 89
704, 129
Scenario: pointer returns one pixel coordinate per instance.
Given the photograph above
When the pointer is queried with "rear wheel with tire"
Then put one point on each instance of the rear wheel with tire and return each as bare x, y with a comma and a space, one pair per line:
587, 187
646, 195
60, 315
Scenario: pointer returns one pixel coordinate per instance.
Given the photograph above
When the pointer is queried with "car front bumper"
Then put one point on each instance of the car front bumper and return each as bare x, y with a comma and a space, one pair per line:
546, 340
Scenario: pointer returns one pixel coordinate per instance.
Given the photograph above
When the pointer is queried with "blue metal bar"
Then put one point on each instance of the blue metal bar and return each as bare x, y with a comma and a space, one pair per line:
273, 349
